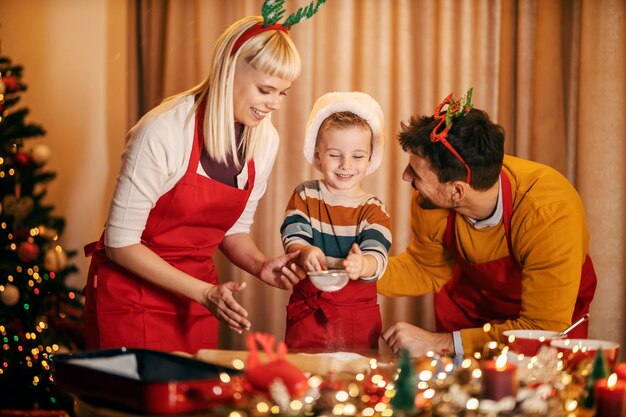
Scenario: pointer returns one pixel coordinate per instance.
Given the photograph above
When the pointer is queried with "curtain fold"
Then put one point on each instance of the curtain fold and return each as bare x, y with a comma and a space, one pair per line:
550, 71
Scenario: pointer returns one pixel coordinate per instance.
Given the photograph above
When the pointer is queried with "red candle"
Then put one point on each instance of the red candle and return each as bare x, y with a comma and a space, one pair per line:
610, 397
499, 379
620, 370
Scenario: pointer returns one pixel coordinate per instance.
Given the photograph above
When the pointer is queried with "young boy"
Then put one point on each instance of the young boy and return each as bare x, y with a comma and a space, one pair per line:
335, 224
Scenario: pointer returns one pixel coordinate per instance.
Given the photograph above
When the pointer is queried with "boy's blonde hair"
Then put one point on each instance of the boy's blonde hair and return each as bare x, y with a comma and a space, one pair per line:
271, 52
342, 120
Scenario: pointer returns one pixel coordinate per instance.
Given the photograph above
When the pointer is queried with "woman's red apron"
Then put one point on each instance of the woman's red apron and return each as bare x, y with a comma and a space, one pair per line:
491, 291
340, 320
185, 228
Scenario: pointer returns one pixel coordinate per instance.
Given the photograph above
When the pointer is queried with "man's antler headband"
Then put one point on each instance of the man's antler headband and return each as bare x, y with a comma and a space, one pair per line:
455, 109
272, 11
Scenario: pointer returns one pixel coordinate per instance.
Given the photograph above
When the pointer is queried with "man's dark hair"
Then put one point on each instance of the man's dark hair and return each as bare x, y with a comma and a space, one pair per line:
478, 140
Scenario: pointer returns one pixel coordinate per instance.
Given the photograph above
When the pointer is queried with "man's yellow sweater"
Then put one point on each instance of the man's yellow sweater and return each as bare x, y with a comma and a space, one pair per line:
549, 238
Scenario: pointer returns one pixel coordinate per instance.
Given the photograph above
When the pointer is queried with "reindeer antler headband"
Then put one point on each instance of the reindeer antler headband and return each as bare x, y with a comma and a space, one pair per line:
455, 109
272, 11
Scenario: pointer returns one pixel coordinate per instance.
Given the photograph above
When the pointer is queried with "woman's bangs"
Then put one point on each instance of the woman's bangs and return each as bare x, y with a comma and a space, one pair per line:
278, 57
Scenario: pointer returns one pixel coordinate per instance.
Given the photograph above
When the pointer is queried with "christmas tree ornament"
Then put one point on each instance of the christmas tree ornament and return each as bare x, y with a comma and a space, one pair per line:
21, 159
19, 208
40, 154
10, 296
55, 259
11, 84
27, 252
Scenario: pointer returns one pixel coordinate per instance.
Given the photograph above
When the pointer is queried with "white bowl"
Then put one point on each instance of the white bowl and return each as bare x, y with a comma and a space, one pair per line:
528, 342
576, 350
331, 280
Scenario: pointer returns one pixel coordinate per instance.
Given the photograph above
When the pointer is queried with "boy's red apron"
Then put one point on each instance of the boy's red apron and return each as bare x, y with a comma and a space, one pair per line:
185, 228
491, 292
340, 320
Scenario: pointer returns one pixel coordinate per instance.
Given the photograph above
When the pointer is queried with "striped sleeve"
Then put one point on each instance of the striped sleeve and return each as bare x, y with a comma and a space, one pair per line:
296, 227
375, 234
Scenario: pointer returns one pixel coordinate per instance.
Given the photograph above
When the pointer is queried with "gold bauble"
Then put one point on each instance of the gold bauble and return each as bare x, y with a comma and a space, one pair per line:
55, 259
10, 296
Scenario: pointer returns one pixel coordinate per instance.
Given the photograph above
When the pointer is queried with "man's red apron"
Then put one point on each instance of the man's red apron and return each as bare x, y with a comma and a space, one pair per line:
185, 228
491, 292
340, 320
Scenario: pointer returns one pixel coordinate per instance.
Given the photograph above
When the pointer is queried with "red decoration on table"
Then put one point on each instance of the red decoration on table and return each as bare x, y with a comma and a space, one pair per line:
375, 385
499, 379
261, 376
620, 370
610, 395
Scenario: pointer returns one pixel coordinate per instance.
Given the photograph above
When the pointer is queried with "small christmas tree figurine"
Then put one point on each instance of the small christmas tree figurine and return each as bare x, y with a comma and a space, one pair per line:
39, 314
404, 400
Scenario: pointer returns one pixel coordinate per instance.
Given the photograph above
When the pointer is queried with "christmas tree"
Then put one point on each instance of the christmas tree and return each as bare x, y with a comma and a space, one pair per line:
39, 314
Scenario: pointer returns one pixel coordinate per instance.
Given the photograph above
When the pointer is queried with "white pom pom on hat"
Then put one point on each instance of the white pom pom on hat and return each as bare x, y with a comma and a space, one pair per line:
361, 104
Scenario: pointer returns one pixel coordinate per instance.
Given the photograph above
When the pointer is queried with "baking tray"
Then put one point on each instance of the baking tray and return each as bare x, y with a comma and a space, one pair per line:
146, 381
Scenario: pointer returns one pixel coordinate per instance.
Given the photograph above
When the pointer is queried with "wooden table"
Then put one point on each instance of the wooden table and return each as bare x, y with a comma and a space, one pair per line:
313, 362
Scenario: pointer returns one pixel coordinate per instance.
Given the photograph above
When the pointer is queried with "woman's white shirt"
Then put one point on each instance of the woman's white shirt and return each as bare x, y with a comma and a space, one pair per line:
156, 157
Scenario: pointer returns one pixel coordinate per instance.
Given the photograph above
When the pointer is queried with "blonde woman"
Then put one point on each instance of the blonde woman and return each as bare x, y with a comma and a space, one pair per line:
193, 172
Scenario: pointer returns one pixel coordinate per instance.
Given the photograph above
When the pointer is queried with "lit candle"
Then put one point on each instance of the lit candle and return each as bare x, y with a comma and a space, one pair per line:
499, 378
620, 370
610, 396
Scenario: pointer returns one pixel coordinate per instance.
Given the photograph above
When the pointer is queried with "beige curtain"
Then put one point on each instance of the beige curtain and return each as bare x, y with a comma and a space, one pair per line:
551, 72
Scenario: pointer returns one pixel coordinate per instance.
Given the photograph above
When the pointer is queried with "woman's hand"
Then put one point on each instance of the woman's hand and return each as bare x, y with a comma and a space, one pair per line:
220, 301
282, 271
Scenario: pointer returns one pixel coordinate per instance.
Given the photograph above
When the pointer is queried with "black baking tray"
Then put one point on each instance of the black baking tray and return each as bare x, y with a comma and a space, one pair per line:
147, 381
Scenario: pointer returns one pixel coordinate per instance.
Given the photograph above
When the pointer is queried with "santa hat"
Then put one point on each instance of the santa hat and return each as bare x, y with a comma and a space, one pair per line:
355, 102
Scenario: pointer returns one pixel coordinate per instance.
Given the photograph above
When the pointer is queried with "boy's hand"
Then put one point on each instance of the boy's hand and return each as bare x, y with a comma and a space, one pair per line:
354, 262
312, 259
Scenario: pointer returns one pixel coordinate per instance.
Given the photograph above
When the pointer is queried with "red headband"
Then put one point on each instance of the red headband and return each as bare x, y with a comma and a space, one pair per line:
253, 31
440, 132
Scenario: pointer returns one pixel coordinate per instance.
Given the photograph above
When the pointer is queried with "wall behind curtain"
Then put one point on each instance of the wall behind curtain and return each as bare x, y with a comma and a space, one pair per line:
542, 69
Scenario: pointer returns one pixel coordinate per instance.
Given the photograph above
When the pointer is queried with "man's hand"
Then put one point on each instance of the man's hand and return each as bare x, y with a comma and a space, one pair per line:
220, 301
416, 340
282, 271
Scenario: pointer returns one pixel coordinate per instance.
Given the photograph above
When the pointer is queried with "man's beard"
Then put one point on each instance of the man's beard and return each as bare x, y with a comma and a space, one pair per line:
427, 204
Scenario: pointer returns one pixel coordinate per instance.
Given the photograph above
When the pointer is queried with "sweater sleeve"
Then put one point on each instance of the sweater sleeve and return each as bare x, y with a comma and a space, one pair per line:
154, 160
296, 227
426, 265
375, 236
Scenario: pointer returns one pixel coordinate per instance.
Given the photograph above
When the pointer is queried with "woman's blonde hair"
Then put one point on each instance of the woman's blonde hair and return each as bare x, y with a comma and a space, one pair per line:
271, 52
